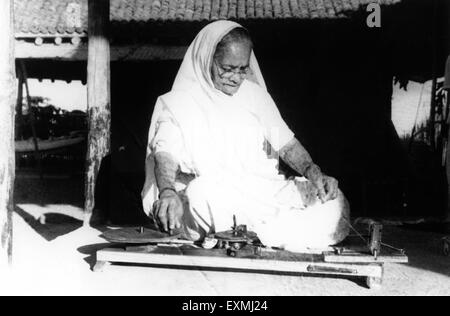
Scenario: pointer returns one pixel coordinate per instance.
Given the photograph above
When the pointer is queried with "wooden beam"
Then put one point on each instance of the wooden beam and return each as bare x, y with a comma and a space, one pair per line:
49, 35
99, 106
65, 51
175, 257
79, 52
7, 156
148, 52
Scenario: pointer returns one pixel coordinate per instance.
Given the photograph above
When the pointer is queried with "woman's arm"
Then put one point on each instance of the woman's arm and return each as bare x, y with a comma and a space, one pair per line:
296, 157
166, 170
168, 209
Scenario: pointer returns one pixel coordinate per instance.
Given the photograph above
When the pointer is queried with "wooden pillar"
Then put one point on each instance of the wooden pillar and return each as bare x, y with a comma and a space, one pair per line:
7, 104
99, 109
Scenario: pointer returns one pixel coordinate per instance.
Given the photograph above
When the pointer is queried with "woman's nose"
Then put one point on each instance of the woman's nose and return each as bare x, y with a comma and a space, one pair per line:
236, 78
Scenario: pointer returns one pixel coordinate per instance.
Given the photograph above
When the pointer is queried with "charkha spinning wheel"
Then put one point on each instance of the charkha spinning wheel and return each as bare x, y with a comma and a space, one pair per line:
236, 238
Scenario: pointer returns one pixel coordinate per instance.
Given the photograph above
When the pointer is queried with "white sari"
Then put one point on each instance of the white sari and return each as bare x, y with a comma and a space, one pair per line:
220, 140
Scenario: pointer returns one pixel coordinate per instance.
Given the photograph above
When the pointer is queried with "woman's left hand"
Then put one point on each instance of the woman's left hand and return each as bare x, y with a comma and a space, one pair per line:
328, 187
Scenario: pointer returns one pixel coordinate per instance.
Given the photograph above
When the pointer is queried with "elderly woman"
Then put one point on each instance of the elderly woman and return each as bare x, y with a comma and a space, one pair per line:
208, 159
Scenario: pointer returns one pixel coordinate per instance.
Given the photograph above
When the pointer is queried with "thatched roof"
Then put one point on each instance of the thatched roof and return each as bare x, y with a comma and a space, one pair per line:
69, 17
413, 32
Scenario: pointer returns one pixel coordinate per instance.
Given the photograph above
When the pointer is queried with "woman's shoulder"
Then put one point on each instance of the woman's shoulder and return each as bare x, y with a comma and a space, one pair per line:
253, 89
178, 102
175, 97
252, 86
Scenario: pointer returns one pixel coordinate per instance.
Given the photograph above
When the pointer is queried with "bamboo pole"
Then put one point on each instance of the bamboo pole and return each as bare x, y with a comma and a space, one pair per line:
99, 109
7, 155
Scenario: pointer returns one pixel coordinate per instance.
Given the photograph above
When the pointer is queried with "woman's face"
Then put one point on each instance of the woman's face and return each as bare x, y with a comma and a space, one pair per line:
230, 66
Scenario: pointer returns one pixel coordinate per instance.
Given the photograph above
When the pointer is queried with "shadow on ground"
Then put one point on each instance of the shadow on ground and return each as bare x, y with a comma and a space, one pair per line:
90, 251
50, 225
423, 246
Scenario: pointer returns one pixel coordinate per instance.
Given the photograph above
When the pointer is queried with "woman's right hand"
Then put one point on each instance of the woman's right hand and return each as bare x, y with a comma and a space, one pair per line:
168, 211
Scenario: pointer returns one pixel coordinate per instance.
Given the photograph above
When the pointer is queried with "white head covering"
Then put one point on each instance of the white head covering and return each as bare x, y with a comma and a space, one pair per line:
193, 82
196, 67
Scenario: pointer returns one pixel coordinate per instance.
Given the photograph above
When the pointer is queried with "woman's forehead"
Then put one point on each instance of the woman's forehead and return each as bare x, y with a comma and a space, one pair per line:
237, 52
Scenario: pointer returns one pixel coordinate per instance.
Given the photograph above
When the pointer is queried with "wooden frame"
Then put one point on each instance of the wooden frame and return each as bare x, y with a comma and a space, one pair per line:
216, 259
79, 52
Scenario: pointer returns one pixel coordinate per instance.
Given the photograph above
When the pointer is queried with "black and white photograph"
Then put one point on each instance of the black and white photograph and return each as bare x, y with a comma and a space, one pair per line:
226, 152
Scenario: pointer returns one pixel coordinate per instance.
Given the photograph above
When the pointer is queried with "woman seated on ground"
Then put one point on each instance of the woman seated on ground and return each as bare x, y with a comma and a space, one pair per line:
207, 157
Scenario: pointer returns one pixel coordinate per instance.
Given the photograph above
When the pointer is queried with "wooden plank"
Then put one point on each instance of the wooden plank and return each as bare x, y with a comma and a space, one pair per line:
99, 106
27, 50
79, 52
353, 250
361, 258
7, 104
148, 52
223, 262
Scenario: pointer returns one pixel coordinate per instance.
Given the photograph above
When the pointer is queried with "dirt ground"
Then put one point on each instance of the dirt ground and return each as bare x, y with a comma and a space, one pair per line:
54, 253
